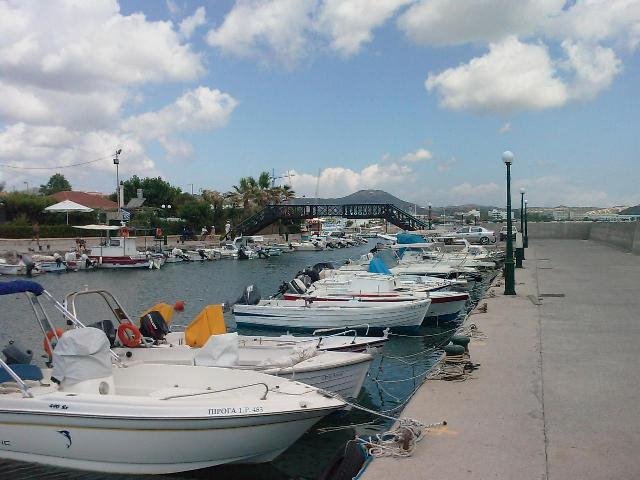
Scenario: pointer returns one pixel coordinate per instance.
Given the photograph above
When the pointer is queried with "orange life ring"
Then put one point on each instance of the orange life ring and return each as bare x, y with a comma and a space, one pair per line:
48, 342
158, 232
129, 335
124, 232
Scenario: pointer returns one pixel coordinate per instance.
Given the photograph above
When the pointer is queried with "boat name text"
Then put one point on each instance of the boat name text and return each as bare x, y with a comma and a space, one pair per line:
235, 410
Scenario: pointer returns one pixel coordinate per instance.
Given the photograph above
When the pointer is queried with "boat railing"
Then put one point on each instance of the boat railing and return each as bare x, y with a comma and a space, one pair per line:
211, 392
343, 333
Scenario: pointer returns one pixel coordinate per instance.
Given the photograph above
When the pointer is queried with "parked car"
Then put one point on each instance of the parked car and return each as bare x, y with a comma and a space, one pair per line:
503, 232
477, 235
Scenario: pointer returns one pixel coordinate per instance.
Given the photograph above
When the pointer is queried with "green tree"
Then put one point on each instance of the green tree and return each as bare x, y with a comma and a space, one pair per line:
197, 213
156, 191
57, 183
26, 205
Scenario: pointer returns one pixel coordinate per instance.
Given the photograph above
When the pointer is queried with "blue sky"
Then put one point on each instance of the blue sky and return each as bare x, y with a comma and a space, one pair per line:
416, 97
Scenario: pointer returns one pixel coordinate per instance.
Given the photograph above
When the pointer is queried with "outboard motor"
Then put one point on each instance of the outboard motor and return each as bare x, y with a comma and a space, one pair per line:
242, 255
153, 325
108, 328
318, 267
14, 354
250, 296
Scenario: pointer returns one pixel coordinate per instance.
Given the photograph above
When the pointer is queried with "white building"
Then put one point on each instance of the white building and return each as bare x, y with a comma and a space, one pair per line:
496, 215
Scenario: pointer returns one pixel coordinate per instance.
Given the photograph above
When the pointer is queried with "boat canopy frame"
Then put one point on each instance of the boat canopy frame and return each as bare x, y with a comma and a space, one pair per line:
33, 292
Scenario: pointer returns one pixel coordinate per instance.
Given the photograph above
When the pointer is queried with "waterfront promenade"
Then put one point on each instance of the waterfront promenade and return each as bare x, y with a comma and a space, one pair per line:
557, 394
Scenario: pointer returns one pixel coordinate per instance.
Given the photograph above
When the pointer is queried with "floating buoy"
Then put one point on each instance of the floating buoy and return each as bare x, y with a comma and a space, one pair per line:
178, 306
461, 340
453, 350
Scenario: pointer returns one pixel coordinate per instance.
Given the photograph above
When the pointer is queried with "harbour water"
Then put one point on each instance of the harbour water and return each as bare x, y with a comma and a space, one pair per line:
392, 378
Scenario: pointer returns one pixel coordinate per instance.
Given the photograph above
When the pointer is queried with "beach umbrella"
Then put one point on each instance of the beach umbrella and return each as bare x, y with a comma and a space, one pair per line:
67, 206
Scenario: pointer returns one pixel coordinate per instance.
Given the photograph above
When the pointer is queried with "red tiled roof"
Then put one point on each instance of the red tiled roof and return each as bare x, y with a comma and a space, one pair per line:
90, 200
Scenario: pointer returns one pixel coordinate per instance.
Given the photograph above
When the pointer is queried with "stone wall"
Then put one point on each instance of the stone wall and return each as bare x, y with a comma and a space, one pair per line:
625, 236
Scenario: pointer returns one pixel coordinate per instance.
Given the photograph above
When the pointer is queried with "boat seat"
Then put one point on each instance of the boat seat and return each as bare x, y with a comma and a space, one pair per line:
210, 321
23, 370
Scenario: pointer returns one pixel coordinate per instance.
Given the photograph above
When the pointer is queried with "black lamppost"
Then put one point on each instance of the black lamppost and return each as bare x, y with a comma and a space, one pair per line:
509, 268
116, 162
526, 225
522, 220
429, 215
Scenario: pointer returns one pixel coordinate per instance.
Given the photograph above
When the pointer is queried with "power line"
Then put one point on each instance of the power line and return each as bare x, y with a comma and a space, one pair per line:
16, 167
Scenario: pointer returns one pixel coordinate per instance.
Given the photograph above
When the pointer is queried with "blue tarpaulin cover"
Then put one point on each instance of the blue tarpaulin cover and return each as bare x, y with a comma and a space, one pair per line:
376, 265
409, 238
20, 286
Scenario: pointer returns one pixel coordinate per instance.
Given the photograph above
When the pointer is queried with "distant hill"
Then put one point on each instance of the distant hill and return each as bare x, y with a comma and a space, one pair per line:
362, 196
630, 211
380, 196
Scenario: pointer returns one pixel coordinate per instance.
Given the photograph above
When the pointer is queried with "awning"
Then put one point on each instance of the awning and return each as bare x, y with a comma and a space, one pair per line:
97, 227
67, 206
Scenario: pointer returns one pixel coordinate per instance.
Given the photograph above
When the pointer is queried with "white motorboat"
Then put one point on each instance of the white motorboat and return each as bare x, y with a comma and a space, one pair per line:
343, 341
368, 287
120, 251
339, 372
146, 418
11, 268
309, 315
307, 246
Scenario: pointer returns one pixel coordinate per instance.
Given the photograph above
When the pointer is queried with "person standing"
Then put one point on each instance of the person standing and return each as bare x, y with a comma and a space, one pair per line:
227, 229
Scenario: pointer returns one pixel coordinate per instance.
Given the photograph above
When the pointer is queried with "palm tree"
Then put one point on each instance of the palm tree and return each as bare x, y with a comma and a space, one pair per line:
282, 194
246, 191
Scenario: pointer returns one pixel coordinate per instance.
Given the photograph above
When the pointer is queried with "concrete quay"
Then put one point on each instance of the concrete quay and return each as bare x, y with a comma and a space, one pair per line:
556, 396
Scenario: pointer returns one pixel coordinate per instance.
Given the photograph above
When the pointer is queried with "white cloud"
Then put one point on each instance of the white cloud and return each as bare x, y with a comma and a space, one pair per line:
505, 128
417, 156
175, 148
265, 29
617, 21
189, 24
67, 68
43, 146
511, 76
73, 46
199, 109
340, 181
350, 23
446, 166
447, 22
594, 68
287, 31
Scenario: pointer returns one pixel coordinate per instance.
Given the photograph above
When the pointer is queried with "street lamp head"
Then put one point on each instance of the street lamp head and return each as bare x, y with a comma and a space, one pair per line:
507, 157
169, 206
526, 201
522, 190
163, 205
430, 205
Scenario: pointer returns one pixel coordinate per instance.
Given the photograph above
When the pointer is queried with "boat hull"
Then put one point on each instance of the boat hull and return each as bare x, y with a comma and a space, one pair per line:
393, 315
106, 445
446, 306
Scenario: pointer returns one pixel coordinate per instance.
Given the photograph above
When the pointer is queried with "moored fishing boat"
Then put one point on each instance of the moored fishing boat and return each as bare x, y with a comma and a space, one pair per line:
120, 251
309, 315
